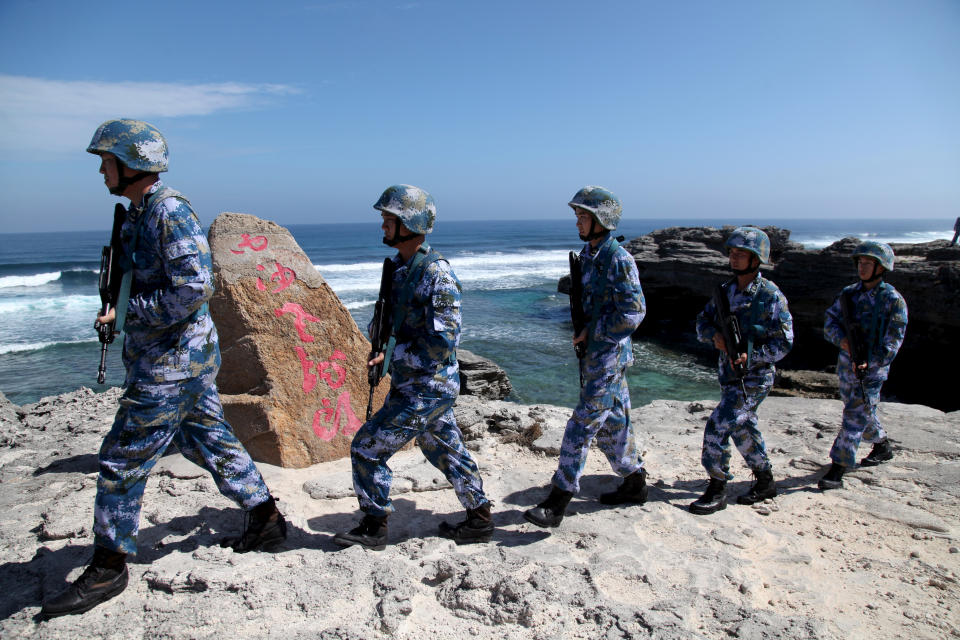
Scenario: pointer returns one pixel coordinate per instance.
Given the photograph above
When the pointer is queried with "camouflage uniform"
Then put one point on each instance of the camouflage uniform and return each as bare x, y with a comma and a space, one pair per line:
761, 309
882, 313
172, 357
611, 286
424, 383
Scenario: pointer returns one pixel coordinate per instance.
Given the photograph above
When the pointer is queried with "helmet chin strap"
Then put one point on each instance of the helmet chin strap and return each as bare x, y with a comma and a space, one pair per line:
397, 238
593, 235
750, 269
874, 276
125, 181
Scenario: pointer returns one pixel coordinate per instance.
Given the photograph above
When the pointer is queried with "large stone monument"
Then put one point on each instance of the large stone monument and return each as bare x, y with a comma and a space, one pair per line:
294, 375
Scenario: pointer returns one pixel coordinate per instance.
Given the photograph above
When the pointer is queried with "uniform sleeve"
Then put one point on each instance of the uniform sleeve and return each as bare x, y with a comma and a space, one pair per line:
833, 329
443, 310
187, 265
627, 309
896, 329
778, 328
706, 324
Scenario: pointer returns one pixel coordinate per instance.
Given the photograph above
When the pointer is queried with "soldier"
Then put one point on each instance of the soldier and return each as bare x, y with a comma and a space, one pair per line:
762, 313
424, 380
613, 300
171, 356
879, 313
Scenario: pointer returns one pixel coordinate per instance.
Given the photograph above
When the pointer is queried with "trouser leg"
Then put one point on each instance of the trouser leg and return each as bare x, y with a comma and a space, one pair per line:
442, 445
736, 417
859, 419
616, 438
206, 439
394, 425
143, 428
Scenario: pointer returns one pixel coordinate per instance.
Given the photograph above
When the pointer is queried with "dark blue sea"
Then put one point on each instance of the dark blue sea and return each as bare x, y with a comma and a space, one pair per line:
511, 310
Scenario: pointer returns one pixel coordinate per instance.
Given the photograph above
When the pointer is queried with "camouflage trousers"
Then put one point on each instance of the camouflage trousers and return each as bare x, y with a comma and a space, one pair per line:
151, 416
736, 418
603, 413
859, 418
401, 419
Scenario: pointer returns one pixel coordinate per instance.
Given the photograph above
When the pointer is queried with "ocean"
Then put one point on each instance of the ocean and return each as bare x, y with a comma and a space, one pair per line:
512, 312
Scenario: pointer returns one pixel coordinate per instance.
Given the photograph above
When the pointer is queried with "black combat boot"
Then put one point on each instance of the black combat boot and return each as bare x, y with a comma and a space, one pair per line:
713, 499
105, 578
833, 478
264, 529
882, 451
371, 533
762, 489
549, 513
633, 490
478, 527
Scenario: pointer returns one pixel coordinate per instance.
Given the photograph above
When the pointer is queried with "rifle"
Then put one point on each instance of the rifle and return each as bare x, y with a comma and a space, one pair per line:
111, 277
380, 329
732, 335
855, 339
577, 314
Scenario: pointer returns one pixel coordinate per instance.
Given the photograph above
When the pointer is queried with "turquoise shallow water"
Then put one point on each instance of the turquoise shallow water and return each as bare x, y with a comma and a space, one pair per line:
512, 313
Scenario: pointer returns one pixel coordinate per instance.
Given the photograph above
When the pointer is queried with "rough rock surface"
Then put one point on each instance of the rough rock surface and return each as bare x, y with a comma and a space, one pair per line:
293, 380
876, 559
679, 267
482, 377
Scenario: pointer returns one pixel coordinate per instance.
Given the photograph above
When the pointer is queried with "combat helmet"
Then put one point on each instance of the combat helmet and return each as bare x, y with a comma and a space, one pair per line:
136, 144
604, 206
750, 239
414, 206
879, 251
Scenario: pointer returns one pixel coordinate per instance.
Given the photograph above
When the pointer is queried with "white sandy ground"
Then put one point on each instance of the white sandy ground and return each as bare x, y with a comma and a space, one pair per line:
877, 559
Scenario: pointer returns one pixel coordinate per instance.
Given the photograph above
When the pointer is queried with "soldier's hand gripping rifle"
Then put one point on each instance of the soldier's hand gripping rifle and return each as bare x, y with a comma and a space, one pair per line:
577, 314
732, 335
111, 279
855, 340
380, 329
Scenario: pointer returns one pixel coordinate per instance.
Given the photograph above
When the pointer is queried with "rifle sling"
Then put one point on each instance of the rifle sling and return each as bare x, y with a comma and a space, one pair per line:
421, 260
598, 289
126, 281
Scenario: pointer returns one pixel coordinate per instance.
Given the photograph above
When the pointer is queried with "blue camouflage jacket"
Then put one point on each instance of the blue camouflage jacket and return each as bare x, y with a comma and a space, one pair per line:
765, 320
169, 333
424, 361
612, 285
882, 314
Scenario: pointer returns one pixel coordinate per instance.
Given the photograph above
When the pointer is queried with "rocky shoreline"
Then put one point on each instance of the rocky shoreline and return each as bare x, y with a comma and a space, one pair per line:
679, 266
876, 559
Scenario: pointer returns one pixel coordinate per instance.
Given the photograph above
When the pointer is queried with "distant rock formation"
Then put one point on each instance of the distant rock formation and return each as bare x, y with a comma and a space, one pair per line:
294, 375
482, 377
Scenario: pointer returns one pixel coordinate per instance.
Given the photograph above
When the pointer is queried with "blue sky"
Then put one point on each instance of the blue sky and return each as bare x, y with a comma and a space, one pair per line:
304, 112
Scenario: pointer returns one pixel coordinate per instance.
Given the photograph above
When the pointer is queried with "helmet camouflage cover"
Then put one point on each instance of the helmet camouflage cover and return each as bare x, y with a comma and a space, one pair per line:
750, 239
414, 206
604, 206
879, 251
136, 144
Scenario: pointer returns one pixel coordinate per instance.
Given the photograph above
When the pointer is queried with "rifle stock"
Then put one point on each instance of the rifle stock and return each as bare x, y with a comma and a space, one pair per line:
109, 282
380, 329
732, 335
577, 315
855, 340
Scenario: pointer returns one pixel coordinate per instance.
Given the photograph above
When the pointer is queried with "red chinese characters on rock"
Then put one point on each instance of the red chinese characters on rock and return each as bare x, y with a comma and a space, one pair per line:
300, 319
329, 419
284, 277
257, 243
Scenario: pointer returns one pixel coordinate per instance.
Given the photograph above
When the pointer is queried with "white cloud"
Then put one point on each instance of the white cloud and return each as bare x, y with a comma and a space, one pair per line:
50, 115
